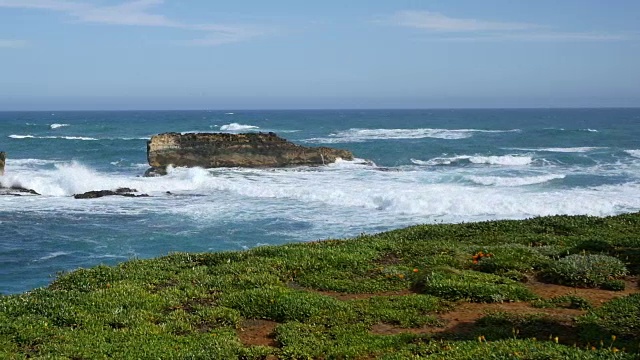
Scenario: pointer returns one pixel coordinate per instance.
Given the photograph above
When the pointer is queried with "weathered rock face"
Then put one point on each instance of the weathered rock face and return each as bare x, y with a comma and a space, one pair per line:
3, 158
210, 150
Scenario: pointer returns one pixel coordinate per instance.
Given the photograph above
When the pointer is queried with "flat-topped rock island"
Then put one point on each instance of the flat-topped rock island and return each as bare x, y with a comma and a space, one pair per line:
255, 150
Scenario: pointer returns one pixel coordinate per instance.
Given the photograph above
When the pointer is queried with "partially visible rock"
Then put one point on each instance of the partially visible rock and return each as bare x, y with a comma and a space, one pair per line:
153, 172
101, 193
210, 150
16, 190
3, 158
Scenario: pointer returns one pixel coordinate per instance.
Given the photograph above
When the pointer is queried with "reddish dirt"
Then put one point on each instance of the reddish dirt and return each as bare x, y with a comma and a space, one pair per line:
461, 320
257, 332
595, 296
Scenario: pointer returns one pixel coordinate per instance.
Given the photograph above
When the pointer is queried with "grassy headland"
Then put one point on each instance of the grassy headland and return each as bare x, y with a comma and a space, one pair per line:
547, 288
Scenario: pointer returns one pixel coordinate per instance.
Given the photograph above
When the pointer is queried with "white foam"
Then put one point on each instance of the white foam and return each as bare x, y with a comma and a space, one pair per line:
348, 196
513, 181
229, 113
21, 136
30, 162
57, 126
582, 149
634, 153
439, 161
361, 135
52, 137
504, 160
507, 160
388, 196
238, 127
53, 255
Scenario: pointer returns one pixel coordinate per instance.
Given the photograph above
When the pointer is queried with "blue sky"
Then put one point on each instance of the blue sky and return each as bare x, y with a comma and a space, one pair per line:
290, 54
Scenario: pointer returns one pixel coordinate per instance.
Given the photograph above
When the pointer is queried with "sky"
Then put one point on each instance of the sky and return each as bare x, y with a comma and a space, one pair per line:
292, 54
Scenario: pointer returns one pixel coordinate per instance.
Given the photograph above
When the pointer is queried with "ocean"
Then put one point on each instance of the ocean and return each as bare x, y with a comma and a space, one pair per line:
412, 167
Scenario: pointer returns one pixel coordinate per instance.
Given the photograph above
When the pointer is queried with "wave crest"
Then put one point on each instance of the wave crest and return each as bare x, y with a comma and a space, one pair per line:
238, 127
581, 149
52, 137
361, 135
504, 160
634, 153
514, 181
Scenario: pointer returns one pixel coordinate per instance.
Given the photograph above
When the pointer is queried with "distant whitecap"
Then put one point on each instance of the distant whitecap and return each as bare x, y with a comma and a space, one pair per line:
238, 127
52, 137
582, 149
505, 160
361, 135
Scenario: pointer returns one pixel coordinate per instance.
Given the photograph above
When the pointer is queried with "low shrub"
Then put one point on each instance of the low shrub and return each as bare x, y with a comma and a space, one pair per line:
404, 310
506, 349
282, 304
509, 258
584, 270
469, 285
619, 317
564, 302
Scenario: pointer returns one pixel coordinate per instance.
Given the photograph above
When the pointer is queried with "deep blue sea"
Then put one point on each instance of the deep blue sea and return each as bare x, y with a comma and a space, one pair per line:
413, 166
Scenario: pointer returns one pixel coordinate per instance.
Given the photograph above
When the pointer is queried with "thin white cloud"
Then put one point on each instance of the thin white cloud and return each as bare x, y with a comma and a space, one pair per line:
139, 13
435, 21
440, 27
10, 43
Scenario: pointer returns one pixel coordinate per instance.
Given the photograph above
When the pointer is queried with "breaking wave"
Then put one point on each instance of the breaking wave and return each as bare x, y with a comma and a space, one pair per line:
634, 153
56, 126
563, 150
52, 137
513, 181
238, 127
504, 160
361, 135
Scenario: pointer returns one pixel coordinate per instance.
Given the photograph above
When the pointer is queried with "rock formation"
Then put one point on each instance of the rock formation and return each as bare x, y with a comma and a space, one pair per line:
16, 190
3, 158
101, 193
210, 150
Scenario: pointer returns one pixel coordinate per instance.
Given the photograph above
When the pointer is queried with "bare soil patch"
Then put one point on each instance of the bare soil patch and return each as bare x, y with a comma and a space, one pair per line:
254, 332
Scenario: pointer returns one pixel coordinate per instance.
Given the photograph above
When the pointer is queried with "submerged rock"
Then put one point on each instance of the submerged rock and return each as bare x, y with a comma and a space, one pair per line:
101, 193
210, 150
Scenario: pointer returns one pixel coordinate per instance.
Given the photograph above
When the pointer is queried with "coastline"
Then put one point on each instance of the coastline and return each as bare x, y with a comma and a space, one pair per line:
427, 291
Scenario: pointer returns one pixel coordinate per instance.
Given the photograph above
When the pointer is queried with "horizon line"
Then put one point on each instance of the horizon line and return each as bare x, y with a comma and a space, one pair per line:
340, 109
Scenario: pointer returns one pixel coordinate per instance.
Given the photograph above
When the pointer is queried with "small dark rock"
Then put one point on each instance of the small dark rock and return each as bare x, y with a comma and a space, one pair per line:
20, 189
155, 171
16, 190
127, 192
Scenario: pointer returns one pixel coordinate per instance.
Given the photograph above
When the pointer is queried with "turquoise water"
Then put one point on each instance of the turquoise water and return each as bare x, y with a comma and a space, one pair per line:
413, 166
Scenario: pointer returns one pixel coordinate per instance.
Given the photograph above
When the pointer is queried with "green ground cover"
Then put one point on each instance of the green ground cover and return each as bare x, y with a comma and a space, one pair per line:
193, 306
